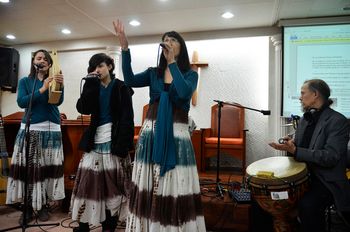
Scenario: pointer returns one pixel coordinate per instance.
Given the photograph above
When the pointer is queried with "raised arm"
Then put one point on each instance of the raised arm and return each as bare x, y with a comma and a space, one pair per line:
120, 33
132, 80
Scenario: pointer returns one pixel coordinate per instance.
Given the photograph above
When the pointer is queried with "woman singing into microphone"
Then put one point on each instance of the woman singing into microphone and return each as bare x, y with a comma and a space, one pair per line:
100, 191
165, 193
45, 157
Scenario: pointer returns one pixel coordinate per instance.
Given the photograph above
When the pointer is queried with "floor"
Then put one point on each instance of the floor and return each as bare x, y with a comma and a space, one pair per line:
220, 214
9, 218
9, 215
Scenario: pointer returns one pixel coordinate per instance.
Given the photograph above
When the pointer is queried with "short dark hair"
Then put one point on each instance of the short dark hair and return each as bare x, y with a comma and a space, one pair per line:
183, 61
49, 60
320, 86
99, 58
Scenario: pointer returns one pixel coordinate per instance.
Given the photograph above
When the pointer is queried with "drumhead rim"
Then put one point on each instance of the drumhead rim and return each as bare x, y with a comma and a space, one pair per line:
269, 162
276, 183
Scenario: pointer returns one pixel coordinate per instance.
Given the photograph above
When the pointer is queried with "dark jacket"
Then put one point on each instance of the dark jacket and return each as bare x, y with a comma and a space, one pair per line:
327, 153
122, 116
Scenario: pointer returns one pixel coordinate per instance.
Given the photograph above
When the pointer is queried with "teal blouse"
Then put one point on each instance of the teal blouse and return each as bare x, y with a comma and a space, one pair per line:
41, 110
180, 91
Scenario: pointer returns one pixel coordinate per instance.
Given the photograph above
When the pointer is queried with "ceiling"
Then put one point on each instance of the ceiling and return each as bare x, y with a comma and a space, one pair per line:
33, 21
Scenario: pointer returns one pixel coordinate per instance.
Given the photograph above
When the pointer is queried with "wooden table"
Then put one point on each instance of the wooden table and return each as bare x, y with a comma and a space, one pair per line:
223, 214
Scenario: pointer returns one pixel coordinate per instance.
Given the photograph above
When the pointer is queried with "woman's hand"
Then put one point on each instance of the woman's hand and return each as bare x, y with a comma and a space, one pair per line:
46, 85
119, 30
59, 78
168, 52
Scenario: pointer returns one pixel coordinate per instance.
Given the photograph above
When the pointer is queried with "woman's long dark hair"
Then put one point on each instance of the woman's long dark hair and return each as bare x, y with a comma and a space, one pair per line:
99, 58
183, 61
33, 69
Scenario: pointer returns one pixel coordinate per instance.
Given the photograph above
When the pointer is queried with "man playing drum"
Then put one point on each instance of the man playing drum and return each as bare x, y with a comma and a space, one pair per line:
321, 142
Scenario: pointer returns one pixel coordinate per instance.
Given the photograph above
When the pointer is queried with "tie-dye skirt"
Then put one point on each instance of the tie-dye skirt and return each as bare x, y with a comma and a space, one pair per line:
168, 203
45, 166
102, 183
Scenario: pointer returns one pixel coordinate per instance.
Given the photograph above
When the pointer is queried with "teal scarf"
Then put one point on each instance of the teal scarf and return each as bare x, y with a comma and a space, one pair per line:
164, 144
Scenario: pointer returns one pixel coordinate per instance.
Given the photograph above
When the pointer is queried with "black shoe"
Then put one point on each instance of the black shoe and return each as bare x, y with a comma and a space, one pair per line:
78, 229
43, 214
83, 227
110, 224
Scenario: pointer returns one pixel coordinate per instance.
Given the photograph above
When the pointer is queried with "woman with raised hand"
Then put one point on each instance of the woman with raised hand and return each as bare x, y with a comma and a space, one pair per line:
165, 193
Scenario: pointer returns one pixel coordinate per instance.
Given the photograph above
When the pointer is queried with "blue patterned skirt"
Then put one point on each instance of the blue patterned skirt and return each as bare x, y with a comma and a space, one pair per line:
171, 202
45, 166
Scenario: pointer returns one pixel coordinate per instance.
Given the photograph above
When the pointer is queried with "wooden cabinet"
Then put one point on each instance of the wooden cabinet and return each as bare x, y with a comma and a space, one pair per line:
72, 130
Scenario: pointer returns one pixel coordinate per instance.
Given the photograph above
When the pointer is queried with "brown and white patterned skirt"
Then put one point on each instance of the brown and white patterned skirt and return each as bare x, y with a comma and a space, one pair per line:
102, 183
45, 166
169, 203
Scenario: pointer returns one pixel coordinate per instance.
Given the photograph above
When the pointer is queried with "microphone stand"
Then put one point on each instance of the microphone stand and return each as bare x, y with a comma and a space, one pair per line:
264, 112
219, 188
26, 139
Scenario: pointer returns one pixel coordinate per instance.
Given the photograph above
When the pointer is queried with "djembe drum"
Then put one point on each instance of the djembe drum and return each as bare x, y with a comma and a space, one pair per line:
277, 183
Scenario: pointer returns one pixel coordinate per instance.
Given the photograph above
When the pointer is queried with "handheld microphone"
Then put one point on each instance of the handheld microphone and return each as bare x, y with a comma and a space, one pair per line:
38, 66
163, 45
92, 76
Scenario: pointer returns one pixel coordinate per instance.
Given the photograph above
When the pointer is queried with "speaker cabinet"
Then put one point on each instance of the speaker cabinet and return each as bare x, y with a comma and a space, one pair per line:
9, 61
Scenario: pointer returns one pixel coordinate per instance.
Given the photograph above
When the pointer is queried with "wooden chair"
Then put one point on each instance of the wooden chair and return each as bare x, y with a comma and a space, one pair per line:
84, 117
63, 116
138, 128
232, 135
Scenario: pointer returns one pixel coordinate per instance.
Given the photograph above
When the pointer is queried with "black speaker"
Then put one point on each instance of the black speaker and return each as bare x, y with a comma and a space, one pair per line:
9, 61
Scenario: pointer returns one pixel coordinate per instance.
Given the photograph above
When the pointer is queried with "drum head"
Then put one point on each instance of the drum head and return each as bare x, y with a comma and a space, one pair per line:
284, 169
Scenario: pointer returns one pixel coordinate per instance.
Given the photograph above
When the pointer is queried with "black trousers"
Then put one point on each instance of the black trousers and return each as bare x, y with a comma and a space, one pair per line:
312, 206
260, 220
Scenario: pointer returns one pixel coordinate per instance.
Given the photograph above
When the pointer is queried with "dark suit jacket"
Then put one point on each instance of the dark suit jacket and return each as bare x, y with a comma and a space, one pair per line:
327, 154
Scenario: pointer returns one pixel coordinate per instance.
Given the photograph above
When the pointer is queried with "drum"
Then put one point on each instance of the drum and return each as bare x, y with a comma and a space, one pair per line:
277, 183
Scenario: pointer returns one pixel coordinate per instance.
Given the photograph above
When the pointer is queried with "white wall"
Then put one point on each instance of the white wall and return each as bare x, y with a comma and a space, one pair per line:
238, 71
